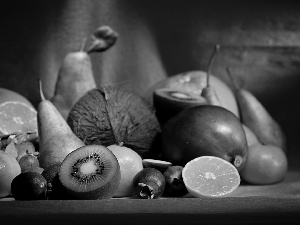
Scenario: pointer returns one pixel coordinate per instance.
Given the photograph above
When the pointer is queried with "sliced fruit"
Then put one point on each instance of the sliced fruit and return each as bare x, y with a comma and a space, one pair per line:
90, 172
10, 95
9, 169
169, 101
210, 176
160, 165
29, 186
17, 117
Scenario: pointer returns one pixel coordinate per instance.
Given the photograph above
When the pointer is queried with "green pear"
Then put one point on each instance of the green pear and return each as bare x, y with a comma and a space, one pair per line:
250, 136
56, 139
75, 76
256, 117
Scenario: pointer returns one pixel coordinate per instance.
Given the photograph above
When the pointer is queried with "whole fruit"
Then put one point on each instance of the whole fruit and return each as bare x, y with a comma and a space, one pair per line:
130, 164
28, 162
110, 114
195, 81
25, 148
29, 186
149, 183
204, 130
50, 173
250, 136
9, 169
266, 164
175, 186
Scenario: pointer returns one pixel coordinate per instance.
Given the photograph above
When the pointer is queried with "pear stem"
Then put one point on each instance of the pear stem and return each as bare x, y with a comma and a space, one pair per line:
103, 38
236, 86
211, 60
41, 90
82, 47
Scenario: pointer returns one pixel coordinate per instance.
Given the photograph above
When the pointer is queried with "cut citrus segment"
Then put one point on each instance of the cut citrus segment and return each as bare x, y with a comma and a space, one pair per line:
17, 117
7, 95
210, 176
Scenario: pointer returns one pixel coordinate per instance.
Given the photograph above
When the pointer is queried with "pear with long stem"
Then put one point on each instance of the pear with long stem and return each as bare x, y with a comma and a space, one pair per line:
75, 76
56, 139
256, 117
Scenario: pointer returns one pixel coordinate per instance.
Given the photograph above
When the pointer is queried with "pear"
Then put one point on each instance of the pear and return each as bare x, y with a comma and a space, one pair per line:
75, 76
256, 117
209, 92
56, 139
250, 136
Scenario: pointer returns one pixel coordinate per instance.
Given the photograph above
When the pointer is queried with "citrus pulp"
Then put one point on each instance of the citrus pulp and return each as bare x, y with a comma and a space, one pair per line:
17, 117
210, 176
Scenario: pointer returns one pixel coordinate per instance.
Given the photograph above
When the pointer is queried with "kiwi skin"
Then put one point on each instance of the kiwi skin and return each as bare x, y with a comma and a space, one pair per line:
105, 191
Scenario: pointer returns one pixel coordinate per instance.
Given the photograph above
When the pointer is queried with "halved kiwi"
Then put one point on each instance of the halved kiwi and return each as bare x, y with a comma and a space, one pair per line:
168, 102
90, 172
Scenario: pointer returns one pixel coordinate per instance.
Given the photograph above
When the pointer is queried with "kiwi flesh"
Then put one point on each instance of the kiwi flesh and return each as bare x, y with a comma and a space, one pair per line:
90, 172
169, 102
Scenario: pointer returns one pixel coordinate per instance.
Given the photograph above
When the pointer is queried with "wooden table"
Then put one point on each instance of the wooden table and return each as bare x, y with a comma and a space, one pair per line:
271, 204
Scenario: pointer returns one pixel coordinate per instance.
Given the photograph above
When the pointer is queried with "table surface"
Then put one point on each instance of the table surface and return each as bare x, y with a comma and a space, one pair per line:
248, 204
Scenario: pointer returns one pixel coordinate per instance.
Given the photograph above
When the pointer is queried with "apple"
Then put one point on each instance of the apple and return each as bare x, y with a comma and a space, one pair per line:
194, 82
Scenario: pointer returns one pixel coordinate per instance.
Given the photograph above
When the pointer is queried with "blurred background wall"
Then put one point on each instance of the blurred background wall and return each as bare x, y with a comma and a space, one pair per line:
260, 42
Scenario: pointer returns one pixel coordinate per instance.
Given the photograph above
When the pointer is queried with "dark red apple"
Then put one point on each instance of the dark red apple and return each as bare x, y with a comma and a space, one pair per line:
204, 130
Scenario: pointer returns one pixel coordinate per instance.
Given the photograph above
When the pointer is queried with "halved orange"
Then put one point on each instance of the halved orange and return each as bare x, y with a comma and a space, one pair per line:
17, 117
210, 176
10, 95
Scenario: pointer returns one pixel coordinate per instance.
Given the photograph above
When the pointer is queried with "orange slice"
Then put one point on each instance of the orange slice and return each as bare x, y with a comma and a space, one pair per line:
17, 117
210, 176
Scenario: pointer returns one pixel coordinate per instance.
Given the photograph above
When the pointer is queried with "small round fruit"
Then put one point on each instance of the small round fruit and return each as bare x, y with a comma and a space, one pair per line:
24, 148
37, 169
28, 162
210, 176
130, 164
266, 164
149, 183
90, 172
9, 169
29, 186
205, 130
50, 172
175, 186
